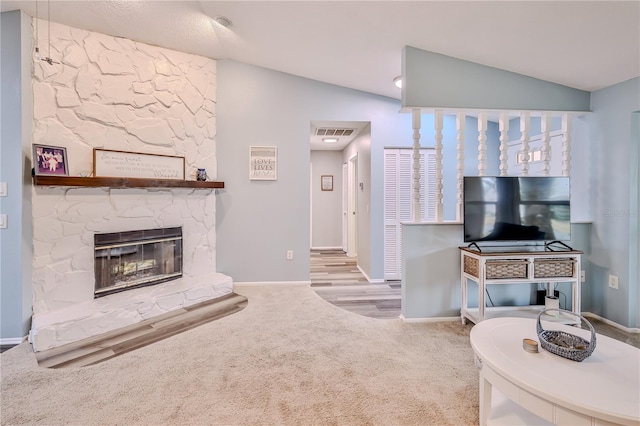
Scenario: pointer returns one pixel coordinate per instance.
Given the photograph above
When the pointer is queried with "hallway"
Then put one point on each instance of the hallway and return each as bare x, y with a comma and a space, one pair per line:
336, 278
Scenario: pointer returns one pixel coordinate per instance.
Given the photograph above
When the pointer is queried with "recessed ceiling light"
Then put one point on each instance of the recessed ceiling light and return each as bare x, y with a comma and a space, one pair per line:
223, 20
330, 140
398, 82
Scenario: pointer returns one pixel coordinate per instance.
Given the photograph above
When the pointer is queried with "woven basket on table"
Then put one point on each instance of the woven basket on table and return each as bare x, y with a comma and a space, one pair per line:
566, 344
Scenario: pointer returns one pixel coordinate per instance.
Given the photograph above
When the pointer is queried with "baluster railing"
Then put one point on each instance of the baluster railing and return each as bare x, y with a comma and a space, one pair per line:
525, 126
482, 144
545, 128
504, 139
416, 124
566, 145
460, 118
438, 123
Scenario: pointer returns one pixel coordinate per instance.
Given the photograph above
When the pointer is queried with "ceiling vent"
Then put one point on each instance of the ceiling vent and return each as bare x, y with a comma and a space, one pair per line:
324, 131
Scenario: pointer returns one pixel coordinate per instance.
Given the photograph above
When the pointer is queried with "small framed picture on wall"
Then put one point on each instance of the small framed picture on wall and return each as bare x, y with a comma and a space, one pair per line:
50, 160
326, 182
263, 163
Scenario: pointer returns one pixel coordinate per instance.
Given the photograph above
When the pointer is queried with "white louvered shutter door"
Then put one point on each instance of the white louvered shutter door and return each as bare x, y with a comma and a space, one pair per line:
398, 198
391, 257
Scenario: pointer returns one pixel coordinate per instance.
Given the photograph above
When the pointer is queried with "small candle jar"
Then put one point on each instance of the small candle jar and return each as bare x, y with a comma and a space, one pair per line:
530, 345
201, 174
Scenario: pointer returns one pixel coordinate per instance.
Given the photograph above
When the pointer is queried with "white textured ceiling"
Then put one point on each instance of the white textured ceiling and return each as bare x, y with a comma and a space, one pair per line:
588, 45
583, 44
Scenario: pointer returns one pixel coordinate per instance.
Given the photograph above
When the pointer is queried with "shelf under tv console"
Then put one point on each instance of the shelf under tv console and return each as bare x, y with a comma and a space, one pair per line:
524, 265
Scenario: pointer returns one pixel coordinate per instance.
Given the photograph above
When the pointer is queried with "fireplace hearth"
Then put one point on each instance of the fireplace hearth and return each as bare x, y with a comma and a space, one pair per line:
132, 259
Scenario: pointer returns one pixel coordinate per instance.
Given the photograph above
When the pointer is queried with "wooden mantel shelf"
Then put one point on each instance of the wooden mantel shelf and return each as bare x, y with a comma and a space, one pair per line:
118, 182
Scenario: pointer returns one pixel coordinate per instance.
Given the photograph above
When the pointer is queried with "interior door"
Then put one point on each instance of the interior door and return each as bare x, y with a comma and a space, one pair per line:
345, 205
352, 221
398, 199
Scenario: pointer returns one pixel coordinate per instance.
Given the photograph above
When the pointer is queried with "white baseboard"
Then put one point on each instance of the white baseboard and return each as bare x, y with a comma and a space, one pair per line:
611, 323
11, 340
369, 278
273, 283
326, 248
433, 319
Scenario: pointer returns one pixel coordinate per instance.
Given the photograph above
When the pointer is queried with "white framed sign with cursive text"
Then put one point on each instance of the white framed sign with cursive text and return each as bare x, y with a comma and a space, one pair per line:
263, 163
111, 163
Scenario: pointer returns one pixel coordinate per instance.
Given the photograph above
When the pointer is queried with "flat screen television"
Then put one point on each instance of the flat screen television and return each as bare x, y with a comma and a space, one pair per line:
509, 208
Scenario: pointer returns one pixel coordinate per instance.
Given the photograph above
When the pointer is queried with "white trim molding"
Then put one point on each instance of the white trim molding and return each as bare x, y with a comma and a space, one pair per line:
425, 320
273, 283
634, 330
378, 281
12, 340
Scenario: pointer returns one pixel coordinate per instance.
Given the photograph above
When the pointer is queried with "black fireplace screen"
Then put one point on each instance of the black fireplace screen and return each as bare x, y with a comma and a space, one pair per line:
126, 260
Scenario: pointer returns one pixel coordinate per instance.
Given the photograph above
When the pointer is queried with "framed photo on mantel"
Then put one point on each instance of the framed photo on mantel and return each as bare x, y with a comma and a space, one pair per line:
50, 160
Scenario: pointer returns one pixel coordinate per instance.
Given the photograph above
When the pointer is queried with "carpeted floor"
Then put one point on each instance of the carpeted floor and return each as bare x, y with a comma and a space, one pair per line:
288, 358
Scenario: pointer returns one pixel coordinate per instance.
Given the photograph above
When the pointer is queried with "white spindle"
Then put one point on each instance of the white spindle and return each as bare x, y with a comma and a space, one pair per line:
545, 128
504, 139
566, 145
416, 123
438, 122
482, 144
525, 125
460, 117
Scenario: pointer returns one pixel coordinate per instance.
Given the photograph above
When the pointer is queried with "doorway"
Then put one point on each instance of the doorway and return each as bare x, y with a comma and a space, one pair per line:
352, 210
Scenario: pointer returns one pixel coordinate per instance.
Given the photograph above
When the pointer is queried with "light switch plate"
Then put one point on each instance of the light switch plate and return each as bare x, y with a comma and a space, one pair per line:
3, 189
3, 221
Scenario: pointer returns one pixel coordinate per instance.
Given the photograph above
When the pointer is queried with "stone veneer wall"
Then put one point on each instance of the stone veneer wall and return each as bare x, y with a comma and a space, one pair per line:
114, 93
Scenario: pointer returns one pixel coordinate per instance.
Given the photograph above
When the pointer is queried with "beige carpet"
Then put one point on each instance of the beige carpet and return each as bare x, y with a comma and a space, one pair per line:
289, 358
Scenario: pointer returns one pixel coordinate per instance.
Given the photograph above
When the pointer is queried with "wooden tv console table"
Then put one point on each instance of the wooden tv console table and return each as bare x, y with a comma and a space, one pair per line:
505, 265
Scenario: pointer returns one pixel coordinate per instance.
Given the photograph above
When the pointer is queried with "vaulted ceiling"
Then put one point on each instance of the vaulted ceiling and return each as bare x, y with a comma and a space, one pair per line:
357, 44
587, 45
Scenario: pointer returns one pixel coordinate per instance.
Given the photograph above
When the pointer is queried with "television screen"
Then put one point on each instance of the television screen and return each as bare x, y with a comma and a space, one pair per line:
507, 208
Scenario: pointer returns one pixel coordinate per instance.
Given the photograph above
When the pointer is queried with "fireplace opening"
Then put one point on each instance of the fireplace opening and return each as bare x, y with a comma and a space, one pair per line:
132, 259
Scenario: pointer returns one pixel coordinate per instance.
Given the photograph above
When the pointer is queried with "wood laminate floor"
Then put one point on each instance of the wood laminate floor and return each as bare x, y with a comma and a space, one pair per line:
337, 279
108, 345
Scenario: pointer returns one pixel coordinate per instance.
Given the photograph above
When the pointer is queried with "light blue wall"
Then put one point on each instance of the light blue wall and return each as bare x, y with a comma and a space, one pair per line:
612, 168
431, 267
15, 142
432, 80
257, 222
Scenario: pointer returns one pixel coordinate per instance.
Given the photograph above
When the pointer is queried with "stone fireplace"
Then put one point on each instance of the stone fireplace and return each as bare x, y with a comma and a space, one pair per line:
127, 260
110, 92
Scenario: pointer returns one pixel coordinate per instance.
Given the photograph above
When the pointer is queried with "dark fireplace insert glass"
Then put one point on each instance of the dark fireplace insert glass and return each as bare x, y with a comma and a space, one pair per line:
132, 259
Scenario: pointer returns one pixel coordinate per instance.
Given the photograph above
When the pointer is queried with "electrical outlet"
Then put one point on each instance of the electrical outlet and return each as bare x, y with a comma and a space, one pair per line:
3, 189
613, 281
289, 254
3, 221
583, 276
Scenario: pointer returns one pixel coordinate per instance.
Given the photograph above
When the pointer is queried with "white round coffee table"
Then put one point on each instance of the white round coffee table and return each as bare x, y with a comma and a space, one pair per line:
603, 389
